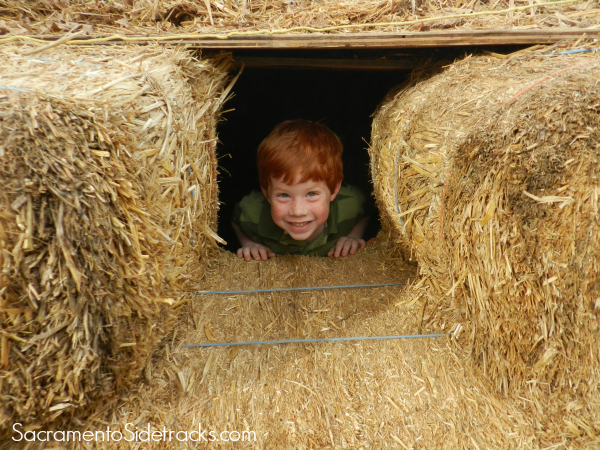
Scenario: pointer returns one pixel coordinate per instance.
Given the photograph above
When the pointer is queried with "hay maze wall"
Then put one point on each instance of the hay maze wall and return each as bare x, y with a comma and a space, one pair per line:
168, 17
488, 171
498, 198
108, 198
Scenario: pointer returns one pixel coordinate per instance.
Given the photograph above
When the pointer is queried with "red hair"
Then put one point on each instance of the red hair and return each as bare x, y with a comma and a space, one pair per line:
300, 148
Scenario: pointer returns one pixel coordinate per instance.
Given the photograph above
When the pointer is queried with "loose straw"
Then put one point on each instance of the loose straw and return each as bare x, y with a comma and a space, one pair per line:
546, 78
396, 177
68, 37
288, 30
396, 182
442, 209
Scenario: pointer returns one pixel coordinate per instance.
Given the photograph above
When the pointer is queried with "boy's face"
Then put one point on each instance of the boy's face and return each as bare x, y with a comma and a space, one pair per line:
301, 209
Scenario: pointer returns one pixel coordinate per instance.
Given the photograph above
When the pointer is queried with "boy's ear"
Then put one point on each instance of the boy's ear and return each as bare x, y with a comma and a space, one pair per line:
337, 189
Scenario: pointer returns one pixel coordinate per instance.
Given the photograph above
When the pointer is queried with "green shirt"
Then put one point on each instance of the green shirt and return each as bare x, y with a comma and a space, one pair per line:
253, 216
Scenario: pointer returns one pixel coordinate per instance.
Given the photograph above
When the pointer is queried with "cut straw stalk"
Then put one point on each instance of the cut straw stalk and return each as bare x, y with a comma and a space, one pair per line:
66, 38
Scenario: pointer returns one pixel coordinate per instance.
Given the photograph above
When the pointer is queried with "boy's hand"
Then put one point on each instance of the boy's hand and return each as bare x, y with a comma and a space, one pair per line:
255, 251
346, 245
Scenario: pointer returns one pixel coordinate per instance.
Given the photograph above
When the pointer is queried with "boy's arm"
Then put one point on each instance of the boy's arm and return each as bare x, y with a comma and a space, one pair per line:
250, 249
350, 243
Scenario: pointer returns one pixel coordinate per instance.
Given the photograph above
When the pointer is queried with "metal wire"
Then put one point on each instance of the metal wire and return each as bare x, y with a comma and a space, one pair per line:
312, 288
13, 89
572, 52
305, 341
61, 60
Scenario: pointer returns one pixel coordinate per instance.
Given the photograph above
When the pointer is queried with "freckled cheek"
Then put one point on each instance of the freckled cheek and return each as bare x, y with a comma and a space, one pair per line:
321, 212
278, 212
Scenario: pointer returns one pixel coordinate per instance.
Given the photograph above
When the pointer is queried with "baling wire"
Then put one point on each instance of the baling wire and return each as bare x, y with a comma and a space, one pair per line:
572, 52
312, 288
305, 341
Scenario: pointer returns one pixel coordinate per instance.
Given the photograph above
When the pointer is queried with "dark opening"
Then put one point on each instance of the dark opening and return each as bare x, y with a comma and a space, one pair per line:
343, 100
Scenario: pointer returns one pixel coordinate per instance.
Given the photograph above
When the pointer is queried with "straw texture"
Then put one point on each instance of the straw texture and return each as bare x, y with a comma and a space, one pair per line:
494, 163
330, 395
414, 394
108, 194
155, 17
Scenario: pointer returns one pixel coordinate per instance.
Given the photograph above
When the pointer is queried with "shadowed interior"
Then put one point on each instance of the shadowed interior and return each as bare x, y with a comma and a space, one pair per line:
342, 100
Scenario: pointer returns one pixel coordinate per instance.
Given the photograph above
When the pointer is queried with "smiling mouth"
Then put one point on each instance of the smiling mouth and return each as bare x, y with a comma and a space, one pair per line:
299, 224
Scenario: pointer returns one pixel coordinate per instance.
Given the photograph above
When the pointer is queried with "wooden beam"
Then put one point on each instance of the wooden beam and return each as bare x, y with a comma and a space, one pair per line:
314, 63
427, 39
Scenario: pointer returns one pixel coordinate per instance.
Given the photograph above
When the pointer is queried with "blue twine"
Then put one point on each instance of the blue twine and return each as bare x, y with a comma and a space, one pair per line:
13, 89
304, 341
60, 60
572, 52
300, 289
569, 52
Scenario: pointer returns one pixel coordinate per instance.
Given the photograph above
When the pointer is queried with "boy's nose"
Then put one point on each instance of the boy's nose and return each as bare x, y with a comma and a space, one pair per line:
298, 208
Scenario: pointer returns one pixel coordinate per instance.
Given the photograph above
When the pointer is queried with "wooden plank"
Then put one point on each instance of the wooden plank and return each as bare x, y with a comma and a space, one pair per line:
428, 39
314, 63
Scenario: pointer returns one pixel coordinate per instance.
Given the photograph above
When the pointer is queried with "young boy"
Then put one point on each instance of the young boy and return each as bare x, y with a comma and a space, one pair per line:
303, 208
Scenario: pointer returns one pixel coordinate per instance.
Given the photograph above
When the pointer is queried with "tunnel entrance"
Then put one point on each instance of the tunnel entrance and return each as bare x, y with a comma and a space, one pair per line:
339, 88
341, 99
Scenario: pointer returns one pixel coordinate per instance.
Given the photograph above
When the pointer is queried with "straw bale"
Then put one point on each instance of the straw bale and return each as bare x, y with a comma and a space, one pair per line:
108, 196
495, 166
415, 394
385, 394
145, 17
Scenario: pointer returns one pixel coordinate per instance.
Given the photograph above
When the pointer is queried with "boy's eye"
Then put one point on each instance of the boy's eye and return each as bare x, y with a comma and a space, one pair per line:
283, 195
312, 194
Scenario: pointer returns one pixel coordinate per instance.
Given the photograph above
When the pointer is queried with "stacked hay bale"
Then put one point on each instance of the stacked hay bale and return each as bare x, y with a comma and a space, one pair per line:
490, 172
167, 17
108, 192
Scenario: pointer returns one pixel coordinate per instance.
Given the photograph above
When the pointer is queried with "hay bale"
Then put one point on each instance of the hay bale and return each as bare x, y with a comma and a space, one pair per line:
162, 17
495, 163
108, 192
395, 394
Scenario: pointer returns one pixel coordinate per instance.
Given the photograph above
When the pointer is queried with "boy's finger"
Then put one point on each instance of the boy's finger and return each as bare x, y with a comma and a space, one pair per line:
255, 253
263, 253
240, 253
354, 247
338, 248
347, 247
247, 255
